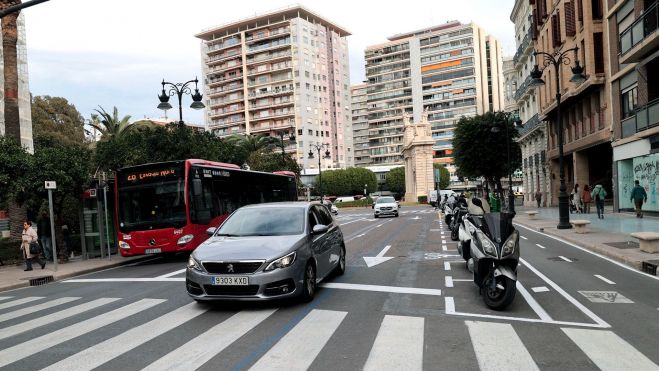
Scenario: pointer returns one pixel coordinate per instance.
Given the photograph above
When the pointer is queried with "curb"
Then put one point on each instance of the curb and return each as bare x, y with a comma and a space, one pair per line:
57, 278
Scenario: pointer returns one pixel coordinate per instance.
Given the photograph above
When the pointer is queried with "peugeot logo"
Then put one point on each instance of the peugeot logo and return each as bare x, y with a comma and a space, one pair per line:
152, 242
230, 268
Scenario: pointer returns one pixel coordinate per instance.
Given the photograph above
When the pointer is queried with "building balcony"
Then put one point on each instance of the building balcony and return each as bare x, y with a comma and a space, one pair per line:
271, 92
224, 89
213, 47
216, 59
270, 81
255, 72
643, 118
270, 34
223, 68
269, 46
530, 125
225, 123
523, 89
223, 79
224, 112
269, 57
272, 104
225, 101
272, 116
642, 37
270, 126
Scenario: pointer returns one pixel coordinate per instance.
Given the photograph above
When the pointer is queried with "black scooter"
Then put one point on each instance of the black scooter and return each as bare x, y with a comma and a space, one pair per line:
493, 255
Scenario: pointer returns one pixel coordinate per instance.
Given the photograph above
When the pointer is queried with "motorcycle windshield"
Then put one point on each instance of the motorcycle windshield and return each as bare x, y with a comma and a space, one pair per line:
498, 226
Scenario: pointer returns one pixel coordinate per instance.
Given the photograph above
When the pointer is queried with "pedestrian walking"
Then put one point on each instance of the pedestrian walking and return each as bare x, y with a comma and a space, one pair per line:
43, 228
538, 197
576, 198
587, 199
29, 235
599, 194
639, 196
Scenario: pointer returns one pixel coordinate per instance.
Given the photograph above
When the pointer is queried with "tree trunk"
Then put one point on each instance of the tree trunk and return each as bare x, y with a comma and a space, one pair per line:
17, 215
9, 39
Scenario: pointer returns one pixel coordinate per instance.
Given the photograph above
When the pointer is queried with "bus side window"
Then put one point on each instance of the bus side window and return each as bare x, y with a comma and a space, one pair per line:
202, 201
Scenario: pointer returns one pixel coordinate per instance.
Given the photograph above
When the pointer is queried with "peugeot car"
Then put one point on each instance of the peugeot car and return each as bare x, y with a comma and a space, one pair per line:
267, 251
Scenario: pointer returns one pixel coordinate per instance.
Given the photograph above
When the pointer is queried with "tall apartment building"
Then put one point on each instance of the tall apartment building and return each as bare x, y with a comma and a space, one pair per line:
359, 109
633, 28
452, 70
533, 133
284, 71
24, 97
585, 111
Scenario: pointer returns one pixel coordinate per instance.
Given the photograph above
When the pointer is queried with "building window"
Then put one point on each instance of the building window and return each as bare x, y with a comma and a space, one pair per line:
597, 9
598, 45
629, 98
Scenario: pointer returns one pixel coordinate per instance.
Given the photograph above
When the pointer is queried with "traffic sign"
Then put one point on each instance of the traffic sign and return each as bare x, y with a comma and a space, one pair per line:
50, 184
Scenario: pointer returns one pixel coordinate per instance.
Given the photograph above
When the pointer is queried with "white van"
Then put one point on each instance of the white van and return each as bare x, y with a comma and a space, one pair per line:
344, 199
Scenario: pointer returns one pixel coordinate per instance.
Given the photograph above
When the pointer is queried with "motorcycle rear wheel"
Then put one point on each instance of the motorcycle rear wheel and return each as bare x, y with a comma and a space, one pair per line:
499, 299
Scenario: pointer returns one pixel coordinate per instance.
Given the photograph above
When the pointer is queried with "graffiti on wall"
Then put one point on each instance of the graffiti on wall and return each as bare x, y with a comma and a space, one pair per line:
646, 171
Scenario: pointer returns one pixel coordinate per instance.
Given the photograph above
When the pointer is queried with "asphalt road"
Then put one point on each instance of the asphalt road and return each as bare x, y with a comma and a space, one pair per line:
411, 306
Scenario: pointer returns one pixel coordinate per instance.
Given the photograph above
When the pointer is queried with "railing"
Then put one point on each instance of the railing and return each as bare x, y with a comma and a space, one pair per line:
222, 57
223, 45
213, 80
277, 79
271, 33
273, 44
271, 68
225, 88
644, 118
270, 104
270, 92
522, 88
530, 125
645, 25
522, 47
263, 57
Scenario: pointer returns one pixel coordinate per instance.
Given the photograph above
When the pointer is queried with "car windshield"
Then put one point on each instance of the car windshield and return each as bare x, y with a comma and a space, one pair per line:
385, 200
262, 221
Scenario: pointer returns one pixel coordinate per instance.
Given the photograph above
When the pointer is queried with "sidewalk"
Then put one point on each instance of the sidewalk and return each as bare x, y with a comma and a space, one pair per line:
609, 236
13, 277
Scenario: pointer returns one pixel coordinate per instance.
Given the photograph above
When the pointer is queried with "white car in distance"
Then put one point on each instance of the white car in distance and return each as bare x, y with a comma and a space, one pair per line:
385, 206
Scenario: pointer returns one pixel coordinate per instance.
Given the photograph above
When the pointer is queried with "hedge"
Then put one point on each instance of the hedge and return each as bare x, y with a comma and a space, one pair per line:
423, 199
9, 251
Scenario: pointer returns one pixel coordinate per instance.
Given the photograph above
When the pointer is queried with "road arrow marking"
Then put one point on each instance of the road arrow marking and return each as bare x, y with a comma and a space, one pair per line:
380, 258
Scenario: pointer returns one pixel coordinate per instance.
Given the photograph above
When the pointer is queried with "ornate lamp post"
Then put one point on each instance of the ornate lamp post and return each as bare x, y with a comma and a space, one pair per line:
495, 129
319, 147
536, 80
291, 138
179, 89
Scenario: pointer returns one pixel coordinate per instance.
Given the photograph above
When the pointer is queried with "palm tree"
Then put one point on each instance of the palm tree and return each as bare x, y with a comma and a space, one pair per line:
111, 125
252, 143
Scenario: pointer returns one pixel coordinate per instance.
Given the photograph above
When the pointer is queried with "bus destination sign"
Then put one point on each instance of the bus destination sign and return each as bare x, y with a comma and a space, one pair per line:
150, 175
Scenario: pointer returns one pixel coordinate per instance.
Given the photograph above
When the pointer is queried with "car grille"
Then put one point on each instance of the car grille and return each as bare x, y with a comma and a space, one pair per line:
232, 290
237, 267
388, 208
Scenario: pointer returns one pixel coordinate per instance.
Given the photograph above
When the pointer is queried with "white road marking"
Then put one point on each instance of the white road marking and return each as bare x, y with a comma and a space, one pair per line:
539, 245
605, 279
5, 297
449, 305
564, 258
447, 266
398, 345
537, 308
524, 238
608, 351
310, 334
490, 338
540, 289
36, 308
202, 348
448, 281
379, 258
54, 317
567, 296
444, 247
105, 351
21, 301
621, 265
379, 225
434, 230
377, 288
463, 280
352, 221
26, 349
172, 274
360, 235
98, 280
443, 241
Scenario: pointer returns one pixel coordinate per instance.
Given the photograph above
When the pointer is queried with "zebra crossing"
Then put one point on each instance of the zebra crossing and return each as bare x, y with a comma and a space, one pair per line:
399, 343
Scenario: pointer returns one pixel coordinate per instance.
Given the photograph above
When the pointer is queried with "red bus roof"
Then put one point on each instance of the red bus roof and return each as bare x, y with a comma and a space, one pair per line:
212, 163
285, 172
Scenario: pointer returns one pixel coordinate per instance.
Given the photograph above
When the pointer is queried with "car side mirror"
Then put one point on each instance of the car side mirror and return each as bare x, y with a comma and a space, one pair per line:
319, 229
211, 231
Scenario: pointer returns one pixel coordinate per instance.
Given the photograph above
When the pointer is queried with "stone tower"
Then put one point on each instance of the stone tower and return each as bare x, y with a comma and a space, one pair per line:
417, 154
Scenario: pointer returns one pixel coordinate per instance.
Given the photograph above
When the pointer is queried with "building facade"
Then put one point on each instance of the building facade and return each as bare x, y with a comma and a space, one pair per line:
24, 98
359, 110
284, 71
633, 28
585, 110
450, 70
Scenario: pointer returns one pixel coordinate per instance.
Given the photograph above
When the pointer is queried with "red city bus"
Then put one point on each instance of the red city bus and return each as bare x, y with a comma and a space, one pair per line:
166, 207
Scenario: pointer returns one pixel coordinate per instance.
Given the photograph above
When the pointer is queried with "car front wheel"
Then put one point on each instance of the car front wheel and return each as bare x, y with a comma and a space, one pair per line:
309, 289
341, 267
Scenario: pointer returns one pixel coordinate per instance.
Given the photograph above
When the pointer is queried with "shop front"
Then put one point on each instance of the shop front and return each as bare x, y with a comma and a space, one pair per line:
634, 161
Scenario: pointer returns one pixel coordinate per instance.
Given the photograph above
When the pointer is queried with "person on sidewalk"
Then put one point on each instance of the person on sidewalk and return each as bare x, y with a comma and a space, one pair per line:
638, 197
30, 235
43, 228
598, 194
587, 199
576, 198
538, 198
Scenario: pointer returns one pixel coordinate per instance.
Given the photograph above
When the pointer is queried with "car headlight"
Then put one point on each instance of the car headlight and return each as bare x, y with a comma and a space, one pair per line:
185, 239
124, 245
509, 245
193, 263
282, 262
488, 246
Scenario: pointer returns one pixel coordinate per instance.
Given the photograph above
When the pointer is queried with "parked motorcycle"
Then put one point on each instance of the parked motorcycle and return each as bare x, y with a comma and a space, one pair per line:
448, 213
459, 213
492, 243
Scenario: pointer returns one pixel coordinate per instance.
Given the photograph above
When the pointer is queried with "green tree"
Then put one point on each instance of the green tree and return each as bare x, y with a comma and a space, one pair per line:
15, 166
271, 162
110, 125
396, 180
480, 152
54, 118
444, 175
246, 145
348, 181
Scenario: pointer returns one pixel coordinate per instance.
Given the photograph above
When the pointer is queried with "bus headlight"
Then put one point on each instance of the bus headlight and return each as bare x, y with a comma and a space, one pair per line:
192, 263
124, 245
185, 239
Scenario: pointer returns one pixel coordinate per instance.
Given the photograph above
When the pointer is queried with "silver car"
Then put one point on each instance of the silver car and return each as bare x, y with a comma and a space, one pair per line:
267, 251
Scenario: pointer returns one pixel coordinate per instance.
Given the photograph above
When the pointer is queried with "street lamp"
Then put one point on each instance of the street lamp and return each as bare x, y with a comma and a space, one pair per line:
318, 147
536, 80
291, 138
495, 129
179, 89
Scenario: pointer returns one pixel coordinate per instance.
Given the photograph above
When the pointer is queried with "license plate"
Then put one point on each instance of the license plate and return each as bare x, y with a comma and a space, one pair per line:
152, 251
230, 281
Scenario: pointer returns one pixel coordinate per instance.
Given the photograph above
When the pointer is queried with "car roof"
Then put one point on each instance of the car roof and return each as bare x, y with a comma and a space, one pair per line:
287, 204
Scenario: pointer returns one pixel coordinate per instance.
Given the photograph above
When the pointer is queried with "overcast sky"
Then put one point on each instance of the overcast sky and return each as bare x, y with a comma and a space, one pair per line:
116, 52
